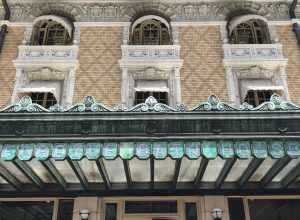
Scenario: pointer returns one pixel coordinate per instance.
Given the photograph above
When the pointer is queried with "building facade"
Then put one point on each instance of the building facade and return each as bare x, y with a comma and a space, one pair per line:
138, 109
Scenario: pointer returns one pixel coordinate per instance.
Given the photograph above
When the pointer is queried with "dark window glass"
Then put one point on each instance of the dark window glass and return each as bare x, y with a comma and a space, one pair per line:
250, 32
161, 97
45, 99
267, 209
151, 32
111, 211
51, 33
190, 211
26, 210
151, 207
65, 209
257, 97
236, 209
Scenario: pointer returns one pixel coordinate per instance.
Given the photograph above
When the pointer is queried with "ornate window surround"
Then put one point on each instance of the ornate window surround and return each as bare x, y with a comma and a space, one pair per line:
275, 74
149, 17
244, 18
62, 59
243, 57
164, 59
61, 20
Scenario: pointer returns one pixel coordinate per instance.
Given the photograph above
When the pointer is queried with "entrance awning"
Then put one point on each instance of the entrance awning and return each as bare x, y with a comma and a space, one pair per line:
150, 149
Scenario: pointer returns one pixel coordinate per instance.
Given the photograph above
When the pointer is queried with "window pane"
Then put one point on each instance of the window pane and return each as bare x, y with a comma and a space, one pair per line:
44, 99
161, 97
65, 210
277, 209
250, 32
140, 97
151, 207
190, 211
26, 210
151, 32
111, 211
257, 97
236, 209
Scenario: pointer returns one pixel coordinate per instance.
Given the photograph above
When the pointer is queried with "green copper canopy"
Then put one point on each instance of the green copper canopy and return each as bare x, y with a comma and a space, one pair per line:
226, 149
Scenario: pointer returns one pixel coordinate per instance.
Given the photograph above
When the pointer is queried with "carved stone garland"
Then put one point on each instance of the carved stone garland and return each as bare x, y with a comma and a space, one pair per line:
125, 11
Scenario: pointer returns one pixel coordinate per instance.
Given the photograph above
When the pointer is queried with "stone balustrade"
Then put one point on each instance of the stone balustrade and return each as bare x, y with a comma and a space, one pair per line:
151, 52
253, 52
36, 53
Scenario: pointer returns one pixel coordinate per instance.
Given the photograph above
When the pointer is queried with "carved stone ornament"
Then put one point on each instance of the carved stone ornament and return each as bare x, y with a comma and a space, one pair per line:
151, 73
45, 73
254, 72
124, 11
89, 104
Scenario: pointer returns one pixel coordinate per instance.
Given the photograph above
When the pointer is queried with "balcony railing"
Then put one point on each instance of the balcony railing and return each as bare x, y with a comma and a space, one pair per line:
45, 53
253, 52
151, 52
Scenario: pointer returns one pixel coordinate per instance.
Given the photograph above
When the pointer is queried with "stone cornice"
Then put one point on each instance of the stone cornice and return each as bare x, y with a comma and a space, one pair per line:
124, 10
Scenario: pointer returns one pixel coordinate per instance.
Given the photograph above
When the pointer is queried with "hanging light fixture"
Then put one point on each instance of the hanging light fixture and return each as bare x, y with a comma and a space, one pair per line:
84, 214
217, 213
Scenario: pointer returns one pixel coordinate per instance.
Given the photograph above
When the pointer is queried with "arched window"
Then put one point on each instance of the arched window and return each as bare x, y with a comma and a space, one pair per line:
51, 33
250, 32
249, 29
52, 30
151, 32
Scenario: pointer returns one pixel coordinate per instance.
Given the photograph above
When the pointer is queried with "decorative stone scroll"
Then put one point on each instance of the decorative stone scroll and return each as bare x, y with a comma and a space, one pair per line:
210, 149
89, 104
151, 105
25, 105
125, 11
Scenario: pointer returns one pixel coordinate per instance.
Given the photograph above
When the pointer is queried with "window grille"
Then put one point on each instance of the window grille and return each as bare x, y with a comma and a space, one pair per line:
250, 32
161, 97
151, 32
45, 99
51, 33
257, 97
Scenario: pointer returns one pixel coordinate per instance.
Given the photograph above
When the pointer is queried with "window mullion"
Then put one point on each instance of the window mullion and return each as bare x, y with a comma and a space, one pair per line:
256, 99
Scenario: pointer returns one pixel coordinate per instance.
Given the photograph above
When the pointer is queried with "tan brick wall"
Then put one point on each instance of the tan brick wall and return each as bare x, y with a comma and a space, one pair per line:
13, 39
291, 51
203, 73
99, 72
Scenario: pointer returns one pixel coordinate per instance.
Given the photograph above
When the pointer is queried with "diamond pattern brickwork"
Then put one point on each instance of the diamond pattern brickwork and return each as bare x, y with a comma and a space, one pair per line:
203, 73
9, 52
99, 72
292, 52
